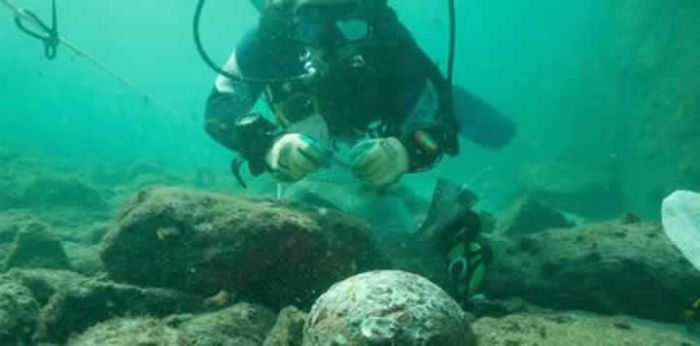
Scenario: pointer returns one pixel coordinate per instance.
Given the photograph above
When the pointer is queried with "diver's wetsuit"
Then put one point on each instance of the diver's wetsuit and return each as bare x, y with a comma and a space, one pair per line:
392, 89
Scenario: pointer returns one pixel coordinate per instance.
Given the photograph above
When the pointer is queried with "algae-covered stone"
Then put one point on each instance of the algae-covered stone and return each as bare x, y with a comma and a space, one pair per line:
18, 313
262, 251
66, 312
130, 332
571, 186
608, 268
36, 247
62, 191
289, 328
241, 325
66, 303
44, 283
12, 222
555, 329
387, 308
84, 259
529, 215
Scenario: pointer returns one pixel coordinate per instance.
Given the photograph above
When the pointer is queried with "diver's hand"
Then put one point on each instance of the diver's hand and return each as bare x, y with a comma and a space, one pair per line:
293, 156
379, 162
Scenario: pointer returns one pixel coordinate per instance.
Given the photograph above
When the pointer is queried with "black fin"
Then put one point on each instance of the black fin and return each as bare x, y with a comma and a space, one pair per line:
448, 202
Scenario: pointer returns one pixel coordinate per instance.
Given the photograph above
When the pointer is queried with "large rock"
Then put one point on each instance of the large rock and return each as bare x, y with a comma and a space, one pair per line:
10, 224
262, 251
65, 312
589, 191
387, 308
35, 246
44, 283
529, 215
18, 313
241, 325
289, 328
608, 268
84, 259
130, 332
62, 191
56, 304
555, 329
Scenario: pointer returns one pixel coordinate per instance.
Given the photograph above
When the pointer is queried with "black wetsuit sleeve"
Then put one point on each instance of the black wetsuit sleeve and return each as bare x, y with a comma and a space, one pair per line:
224, 112
427, 128
230, 102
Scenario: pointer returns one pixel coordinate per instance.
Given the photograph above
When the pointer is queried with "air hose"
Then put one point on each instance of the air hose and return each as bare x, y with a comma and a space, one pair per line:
237, 77
451, 52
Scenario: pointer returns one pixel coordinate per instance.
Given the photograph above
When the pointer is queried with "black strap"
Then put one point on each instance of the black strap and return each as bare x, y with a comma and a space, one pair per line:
236, 165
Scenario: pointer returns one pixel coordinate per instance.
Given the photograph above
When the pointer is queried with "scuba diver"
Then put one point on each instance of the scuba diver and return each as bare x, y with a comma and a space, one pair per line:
349, 72
452, 228
353, 67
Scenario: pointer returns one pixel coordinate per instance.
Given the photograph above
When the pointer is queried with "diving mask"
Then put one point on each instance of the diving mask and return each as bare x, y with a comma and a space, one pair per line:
318, 26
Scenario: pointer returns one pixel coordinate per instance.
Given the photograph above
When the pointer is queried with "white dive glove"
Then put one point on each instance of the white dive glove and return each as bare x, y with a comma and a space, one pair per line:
294, 155
379, 162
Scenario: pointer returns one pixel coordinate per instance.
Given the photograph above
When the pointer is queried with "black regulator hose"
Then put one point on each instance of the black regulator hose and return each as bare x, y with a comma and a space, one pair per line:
451, 53
216, 68
207, 59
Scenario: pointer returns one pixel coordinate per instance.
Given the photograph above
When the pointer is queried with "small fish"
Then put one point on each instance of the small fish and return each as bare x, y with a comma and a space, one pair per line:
219, 300
167, 233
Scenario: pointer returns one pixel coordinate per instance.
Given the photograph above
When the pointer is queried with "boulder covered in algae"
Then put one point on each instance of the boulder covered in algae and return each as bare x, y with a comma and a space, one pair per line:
609, 268
18, 313
289, 328
242, 324
65, 313
128, 332
261, 251
50, 305
529, 215
574, 329
388, 307
51, 191
35, 246
571, 186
